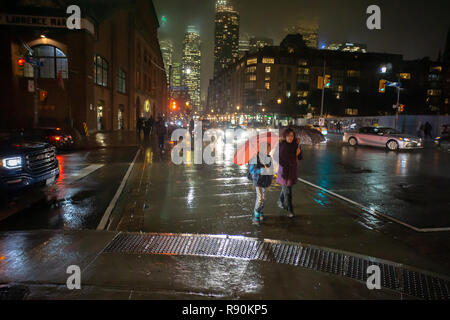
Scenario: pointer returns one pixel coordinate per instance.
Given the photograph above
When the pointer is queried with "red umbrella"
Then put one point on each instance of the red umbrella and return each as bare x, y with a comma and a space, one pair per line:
250, 148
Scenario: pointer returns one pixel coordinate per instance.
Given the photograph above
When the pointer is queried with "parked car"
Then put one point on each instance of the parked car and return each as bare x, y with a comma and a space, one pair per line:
57, 137
382, 137
24, 163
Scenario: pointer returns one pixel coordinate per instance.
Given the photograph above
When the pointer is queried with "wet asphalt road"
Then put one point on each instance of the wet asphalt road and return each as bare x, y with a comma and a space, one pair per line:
411, 186
86, 185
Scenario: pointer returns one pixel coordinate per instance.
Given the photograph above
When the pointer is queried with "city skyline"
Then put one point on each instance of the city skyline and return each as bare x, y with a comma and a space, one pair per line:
423, 33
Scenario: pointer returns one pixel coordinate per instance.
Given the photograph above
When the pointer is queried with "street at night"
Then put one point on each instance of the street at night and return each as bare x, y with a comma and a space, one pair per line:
254, 151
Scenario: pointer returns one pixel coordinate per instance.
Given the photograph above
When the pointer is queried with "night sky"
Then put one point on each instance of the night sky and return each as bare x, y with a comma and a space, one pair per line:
413, 28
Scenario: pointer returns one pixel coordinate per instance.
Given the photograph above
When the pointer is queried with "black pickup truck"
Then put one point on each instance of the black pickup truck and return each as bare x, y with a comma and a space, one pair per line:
25, 163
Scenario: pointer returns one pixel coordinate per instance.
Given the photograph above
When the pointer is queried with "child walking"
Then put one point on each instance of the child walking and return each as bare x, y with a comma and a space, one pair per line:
261, 173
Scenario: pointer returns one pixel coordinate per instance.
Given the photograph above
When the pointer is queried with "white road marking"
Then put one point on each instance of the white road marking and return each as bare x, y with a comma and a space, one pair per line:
373, 211
112, 204
82, 173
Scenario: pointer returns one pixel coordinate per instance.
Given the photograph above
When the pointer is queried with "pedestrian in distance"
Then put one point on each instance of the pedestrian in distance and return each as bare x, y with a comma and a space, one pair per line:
146, 129
427, 130
261, 174
289, 152
151, 123
161, 131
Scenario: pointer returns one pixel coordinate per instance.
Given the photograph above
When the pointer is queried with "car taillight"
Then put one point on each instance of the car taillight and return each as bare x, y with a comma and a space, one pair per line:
55, 138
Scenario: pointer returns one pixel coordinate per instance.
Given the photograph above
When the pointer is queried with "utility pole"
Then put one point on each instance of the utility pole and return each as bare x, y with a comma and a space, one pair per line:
323, 87
36, 95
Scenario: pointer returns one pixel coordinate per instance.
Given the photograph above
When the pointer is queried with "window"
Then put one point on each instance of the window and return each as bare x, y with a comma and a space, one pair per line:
252, 61
54, 61
249, 85
351, 112
436, 69
251, 69
267, 85
252, 77
121, 81
405, 76
303, 71
340, 88
353, 73
267, 78
268, 60
302, 63
100, 71
434, 92
268, 69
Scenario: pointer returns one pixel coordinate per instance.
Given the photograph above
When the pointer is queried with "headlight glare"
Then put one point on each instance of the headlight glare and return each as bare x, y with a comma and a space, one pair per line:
12, 163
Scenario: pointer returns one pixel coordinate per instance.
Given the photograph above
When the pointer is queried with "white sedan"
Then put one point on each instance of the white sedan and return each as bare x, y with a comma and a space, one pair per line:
382, 137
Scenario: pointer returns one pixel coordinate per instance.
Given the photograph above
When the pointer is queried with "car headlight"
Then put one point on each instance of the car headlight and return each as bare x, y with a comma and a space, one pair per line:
12, 163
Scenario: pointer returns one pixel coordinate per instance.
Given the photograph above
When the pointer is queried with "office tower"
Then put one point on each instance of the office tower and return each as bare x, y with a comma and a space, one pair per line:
308, 28
167, 53
226, 49
191, 64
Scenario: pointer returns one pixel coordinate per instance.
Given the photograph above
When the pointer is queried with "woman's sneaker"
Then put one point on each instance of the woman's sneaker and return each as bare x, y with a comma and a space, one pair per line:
280, 205
256, 218
289, 214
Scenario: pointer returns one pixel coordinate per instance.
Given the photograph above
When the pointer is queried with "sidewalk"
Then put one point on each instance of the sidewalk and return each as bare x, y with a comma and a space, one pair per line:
36, 262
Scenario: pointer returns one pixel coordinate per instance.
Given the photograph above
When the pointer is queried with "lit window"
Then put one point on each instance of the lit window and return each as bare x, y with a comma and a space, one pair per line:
268, 60
405, 76
100, 71
54, 61
251, 69
252, 77
303, 71
302, 63
436, 69
434, 92
268, 69
340, 88
252, 61
267, 78
351, 111
353, 73
267, 85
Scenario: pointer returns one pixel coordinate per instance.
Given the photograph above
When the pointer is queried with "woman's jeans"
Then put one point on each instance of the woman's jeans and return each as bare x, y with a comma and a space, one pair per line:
260, 197
286, 198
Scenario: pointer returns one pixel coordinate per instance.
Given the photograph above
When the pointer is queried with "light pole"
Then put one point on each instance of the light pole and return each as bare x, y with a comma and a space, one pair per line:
323, 87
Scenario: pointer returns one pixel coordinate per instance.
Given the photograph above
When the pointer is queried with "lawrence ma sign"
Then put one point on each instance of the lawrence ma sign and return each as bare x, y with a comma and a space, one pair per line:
41, 21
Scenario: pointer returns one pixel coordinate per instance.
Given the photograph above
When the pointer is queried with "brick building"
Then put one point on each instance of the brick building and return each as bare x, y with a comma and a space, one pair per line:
105, 75
287, 80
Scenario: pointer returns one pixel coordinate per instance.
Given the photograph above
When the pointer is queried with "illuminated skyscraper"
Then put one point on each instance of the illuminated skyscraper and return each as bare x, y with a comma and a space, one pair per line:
309, 29
167, 53
226, 49
191, 63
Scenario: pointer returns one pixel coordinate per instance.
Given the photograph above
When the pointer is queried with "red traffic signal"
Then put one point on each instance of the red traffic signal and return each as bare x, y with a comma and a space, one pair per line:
21, 62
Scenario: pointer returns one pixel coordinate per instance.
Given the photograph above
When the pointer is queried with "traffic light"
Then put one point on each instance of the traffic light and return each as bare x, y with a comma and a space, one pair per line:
402, 108
319, 82
43, 95
382, 86
327, 81
21, 62
173, 105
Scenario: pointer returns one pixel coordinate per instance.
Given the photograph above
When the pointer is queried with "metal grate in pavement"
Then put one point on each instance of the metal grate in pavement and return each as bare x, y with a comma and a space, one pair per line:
396, 277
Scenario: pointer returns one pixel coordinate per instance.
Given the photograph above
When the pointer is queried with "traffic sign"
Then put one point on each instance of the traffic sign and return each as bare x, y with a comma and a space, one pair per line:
30, 86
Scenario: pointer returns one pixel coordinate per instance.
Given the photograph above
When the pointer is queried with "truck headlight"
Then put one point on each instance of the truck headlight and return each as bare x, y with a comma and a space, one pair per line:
12, 163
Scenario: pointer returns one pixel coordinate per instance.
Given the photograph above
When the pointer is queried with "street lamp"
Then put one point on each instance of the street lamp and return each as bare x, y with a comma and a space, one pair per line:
279, 101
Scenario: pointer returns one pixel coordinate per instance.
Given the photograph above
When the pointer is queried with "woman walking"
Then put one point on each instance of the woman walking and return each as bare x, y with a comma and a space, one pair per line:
289, 154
